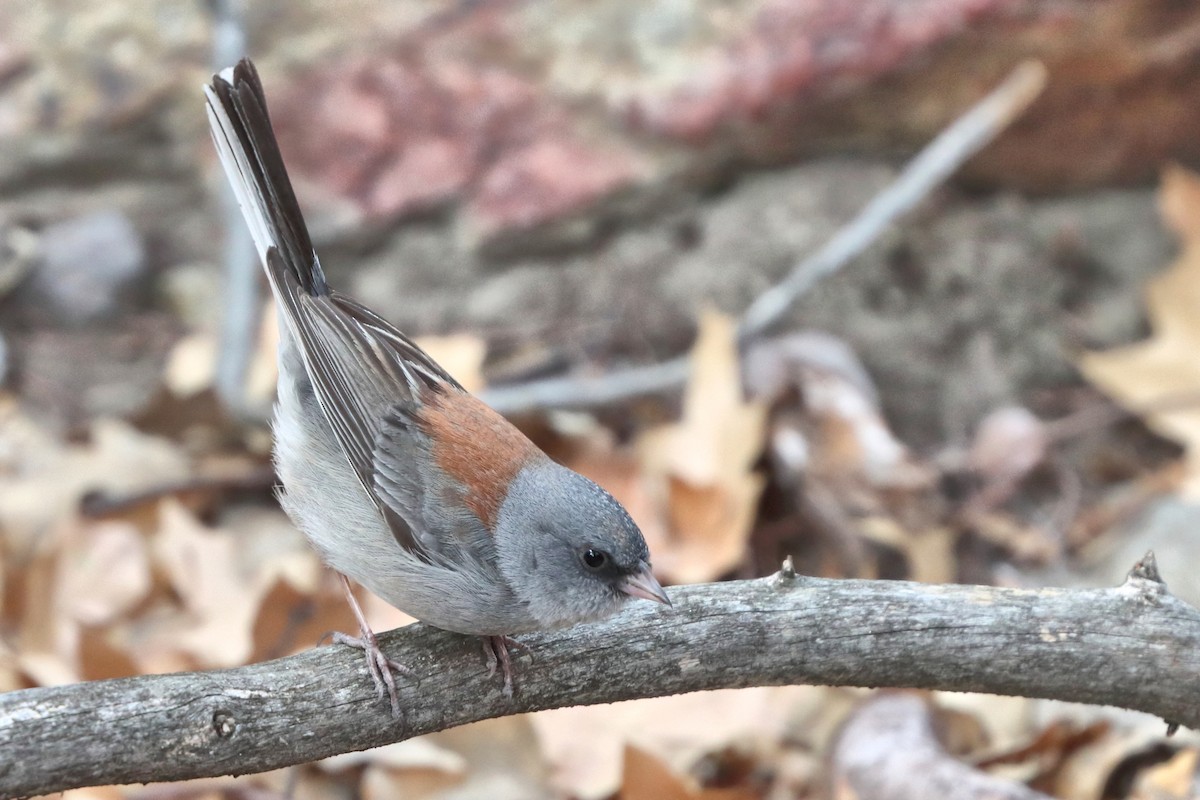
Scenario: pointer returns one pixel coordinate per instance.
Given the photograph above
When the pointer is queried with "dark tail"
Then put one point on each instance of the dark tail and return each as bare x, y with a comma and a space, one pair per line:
241, 129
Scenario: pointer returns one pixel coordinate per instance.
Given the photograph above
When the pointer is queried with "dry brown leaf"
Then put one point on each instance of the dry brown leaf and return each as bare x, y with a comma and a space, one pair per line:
104, 572
1041, 757
647, 778
271, 543
461, 355
710, 526
700, 471
931, 557
42, 481
286, 577
1165, 366
191, 365
496, 759
422, 752
93, 575
305, 602
9, 674
1085, 774
930, 554
382, 783
842, 415
290, 621
221, 593
293, 783
101, 658
1008, 721
48, 639
720, 434
1178, 199
152, 639
1172, 780
94, 793
584, 745
854, 437
301, 601
1027, 543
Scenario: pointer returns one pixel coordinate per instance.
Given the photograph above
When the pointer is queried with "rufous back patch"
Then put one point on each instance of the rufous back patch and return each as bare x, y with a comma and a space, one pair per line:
477, 447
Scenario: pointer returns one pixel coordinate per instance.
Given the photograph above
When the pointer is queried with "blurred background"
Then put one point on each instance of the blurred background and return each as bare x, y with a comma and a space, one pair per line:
1004, 389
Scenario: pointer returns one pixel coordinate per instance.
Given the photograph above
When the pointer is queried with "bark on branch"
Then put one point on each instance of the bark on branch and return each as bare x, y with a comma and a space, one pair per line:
1135, 646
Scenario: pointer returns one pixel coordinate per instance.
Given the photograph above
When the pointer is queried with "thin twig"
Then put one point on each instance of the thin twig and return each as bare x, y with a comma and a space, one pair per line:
1097, 416
102, 504
925, 172
243, 292
592, 391
1135, 646
929, 169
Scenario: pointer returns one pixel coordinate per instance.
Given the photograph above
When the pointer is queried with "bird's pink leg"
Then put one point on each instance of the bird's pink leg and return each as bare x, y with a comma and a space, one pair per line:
379, 665
495, 652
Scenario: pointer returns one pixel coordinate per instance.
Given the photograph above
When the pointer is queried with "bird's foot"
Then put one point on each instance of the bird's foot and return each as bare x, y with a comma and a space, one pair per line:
495, 653
381, 668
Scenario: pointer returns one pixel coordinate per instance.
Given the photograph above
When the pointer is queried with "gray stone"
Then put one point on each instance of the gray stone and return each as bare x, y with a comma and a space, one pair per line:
88, 266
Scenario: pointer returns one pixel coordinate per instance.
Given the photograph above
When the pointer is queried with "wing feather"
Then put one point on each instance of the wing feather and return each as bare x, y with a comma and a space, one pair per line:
369, 379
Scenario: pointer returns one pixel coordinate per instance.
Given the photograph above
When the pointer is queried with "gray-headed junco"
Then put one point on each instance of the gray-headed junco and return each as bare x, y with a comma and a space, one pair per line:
401, 479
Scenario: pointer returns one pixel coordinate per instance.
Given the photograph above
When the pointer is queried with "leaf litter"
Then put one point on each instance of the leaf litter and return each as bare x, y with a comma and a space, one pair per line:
1164, 369
764, 440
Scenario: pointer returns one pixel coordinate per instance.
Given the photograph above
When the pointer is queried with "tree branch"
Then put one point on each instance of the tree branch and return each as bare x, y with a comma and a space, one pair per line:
1135, 646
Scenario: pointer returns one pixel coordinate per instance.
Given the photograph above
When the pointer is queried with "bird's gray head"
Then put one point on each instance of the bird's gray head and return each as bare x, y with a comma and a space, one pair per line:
569, 550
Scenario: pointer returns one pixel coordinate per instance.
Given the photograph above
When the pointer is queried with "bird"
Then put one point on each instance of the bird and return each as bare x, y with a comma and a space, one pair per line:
402, 480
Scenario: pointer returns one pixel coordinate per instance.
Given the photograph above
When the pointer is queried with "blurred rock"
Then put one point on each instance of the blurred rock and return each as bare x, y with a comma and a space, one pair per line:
68, 377
88, 266
88, 92
1009, 442
765, 81
769, 81
519, 116
531, 120
549, 180
403, 135
462, 126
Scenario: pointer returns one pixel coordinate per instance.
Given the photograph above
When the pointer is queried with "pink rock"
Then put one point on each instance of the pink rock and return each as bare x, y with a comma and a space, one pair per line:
549, 179
349, 110
427, 173
427, 129
795, 47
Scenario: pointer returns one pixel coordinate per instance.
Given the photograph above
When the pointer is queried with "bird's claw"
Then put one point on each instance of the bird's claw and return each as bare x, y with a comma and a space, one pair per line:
495, 653
379, 666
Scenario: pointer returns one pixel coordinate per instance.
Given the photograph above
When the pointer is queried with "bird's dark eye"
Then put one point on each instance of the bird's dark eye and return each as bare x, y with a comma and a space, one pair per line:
595, 559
